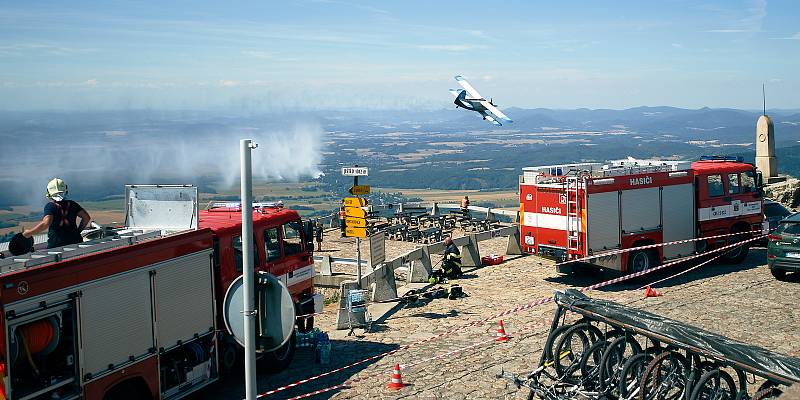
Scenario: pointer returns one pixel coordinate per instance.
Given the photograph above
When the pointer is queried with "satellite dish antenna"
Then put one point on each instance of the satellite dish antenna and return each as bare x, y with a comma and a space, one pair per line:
274, 307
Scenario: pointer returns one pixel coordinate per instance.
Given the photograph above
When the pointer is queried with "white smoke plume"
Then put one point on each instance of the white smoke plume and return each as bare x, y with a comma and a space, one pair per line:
99, 162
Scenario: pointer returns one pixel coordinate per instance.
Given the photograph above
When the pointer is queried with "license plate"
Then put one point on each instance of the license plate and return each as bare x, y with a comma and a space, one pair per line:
793, 255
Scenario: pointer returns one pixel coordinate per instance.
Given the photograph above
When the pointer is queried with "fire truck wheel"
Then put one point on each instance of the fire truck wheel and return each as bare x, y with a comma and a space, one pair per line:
641, 260
231, 358
278, 360
737, 254
131, 389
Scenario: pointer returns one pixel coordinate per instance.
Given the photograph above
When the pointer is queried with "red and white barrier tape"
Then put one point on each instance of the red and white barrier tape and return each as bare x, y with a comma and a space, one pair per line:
306, 316
350, 382
683, 272
519, 308
669, 264
652, 246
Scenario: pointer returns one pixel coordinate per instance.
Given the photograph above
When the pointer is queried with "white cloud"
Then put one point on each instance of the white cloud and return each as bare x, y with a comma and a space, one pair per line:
451, 47
228, 83
268, 55
752, 21
18, 49
677, 45
726, 31
91, 82
264, 55
796, 36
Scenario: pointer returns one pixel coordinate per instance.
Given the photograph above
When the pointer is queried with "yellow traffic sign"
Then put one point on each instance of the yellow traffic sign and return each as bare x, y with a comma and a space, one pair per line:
359, 190
354, 202
355, 222
355, 232
355, 212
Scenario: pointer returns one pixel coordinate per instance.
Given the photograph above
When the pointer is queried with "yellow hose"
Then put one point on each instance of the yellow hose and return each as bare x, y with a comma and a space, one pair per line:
28, 354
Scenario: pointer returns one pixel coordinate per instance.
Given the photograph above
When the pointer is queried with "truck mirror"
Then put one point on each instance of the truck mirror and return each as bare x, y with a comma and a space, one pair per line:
308, 230
759, 184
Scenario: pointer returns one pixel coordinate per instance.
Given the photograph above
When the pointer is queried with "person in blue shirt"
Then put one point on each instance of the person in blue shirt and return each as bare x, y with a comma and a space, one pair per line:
60, 218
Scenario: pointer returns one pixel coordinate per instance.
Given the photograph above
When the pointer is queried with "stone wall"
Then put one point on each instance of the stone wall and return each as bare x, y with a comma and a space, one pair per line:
786, 192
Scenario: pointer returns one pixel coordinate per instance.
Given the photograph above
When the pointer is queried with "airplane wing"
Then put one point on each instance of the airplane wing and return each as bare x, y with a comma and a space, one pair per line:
495, 111
470, 90
490, 118
456, 92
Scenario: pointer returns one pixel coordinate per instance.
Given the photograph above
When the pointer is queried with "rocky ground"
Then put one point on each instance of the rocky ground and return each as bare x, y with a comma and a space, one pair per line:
743, 302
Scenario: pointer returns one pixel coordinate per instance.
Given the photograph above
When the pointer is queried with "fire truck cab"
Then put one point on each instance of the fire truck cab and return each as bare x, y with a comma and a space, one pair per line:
570, 212
140, 312
282, 247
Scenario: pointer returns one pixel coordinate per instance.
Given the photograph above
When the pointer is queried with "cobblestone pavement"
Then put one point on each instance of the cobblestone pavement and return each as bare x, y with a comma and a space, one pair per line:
743, 302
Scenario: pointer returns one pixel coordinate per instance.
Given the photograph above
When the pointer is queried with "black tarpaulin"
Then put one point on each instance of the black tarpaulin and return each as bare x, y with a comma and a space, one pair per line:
750, 358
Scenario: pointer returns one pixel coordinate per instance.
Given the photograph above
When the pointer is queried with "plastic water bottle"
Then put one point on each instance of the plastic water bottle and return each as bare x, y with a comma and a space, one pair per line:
323, 349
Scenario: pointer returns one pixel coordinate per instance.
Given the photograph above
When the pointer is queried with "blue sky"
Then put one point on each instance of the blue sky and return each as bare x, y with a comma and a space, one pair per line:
266, 55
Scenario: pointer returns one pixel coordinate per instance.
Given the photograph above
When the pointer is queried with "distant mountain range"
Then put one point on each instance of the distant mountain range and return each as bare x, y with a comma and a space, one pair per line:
703, 124
448, 148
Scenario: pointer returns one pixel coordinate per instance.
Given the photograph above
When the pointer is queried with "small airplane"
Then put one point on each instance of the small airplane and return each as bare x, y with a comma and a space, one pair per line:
476, 102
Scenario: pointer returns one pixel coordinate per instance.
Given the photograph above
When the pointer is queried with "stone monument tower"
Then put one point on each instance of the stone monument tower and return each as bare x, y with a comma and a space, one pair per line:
765, 147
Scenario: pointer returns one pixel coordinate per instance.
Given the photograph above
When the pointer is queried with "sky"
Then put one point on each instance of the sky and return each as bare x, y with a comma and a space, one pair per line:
331, 54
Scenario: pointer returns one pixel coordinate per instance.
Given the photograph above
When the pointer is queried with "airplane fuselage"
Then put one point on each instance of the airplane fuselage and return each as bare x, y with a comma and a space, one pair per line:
469, 104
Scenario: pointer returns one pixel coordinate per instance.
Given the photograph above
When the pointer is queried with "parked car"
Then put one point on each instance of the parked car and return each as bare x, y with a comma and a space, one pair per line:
774, 212
783, 251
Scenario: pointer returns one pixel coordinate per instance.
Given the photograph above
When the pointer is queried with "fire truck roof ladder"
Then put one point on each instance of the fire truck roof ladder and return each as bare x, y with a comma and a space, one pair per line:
573, 214
633, 166
46, 256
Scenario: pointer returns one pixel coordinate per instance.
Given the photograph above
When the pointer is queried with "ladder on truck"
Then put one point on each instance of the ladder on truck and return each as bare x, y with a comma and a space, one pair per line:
573, 214
122, 238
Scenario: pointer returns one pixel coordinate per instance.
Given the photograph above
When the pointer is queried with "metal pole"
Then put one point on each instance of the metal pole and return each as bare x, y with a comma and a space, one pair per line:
358, 240
358, 260
248, 272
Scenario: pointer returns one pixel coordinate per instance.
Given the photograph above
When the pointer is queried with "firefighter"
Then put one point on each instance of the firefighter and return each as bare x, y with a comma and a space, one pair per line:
341, 220
60, 217
318, 234
451, 263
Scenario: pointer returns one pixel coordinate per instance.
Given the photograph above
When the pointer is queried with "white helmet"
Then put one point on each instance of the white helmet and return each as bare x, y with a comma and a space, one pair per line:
56, 189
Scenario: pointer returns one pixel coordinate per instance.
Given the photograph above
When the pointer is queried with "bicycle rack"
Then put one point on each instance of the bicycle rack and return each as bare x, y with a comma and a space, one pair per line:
703, 349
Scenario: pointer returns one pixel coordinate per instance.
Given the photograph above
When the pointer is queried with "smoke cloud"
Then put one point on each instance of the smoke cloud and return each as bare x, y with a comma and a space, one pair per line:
96, 163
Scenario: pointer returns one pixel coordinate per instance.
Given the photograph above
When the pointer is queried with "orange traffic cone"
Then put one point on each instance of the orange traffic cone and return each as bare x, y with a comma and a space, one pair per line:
501, 333
650, 292
397, 381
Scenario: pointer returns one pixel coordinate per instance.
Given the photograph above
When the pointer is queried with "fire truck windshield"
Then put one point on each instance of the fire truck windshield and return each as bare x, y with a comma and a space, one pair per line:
236, 244
271, 244
292, 238
748, 181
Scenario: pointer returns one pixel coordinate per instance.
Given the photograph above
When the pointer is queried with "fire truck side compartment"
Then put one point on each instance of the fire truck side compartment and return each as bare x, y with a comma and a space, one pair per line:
178, 283
110, 336
641, 210
679, 219
602, 221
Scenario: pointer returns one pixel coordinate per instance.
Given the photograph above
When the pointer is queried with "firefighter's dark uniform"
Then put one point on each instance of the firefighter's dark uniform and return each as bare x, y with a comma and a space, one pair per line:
451, 264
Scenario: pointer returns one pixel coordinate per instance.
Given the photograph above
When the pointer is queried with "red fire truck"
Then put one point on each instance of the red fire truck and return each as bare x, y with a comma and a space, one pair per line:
570, 212
142, 312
